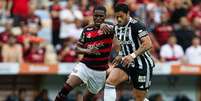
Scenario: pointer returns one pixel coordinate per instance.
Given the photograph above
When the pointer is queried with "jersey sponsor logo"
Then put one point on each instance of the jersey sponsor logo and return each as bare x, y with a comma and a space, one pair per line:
141, 78
89, 29
95, 45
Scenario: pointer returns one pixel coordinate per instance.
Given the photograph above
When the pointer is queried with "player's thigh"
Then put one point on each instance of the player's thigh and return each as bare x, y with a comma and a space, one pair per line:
74, 81
77, 76
88, 96
116, 76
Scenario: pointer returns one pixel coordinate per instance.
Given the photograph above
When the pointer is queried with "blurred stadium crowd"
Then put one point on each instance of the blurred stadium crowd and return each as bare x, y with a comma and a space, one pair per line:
46, 31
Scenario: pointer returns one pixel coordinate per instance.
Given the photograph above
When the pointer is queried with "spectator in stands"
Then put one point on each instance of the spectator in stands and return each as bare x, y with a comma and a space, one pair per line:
156, 97
195, 11
163, 30
36, 53
171, 51
21, 96
87, 8
33, 29
197, 26
67, 53
12, 97
193, 53
18, 10
32, 18
76, 29
24, 37
67, 17
5, 34
179, 10
22, 93
50, 55
11, 51
55, 9
156, 9
182, 98
43, 96
184, 33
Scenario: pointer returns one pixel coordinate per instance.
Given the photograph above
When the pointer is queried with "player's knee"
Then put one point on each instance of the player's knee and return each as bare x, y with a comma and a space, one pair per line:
139, 95
112, 81
139, 98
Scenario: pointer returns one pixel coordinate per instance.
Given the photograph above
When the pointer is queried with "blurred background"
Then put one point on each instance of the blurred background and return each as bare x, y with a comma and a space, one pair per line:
37, 40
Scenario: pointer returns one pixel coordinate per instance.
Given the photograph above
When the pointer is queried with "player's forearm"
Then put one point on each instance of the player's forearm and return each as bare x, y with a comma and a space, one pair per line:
80, 50
145, 46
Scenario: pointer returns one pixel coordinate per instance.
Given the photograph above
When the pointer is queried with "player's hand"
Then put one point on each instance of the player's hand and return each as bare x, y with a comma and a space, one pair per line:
117, 60
106, 28
127, 60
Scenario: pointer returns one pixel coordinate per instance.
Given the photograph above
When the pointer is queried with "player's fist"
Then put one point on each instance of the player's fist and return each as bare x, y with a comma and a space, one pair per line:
127, 60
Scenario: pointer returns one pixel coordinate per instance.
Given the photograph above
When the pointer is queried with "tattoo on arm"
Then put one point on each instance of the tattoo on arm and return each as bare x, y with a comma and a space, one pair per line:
145, 46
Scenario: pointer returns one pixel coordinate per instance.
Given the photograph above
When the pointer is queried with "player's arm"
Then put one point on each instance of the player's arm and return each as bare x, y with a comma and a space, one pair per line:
142, 34
146, 44
107, 28
117, 48
81, 48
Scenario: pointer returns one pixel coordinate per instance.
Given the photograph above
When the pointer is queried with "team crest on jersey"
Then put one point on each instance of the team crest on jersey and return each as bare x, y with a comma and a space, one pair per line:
89, 36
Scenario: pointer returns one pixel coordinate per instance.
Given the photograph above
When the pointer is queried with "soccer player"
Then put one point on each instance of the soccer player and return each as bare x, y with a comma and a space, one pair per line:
96, 47
133, 61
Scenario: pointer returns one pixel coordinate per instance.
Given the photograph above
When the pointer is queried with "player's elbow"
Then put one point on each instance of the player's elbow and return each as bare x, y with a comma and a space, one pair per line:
148, 45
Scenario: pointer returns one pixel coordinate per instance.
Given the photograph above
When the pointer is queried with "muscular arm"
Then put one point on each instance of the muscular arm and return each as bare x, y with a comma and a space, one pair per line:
116, 45
146, 44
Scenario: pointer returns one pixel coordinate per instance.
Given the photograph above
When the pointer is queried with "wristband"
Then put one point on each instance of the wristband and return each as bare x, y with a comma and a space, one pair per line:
133, 55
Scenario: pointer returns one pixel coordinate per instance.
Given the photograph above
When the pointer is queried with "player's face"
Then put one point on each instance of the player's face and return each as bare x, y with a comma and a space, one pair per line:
121, 18
99, 17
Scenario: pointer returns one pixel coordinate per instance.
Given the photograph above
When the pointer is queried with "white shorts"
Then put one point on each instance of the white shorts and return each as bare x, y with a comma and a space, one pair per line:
95, 80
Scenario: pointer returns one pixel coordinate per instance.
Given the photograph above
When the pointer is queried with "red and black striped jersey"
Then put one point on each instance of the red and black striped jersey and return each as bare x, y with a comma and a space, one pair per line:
94, 38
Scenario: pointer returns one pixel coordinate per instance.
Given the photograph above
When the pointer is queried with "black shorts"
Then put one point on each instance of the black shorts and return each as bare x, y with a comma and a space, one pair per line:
141, 78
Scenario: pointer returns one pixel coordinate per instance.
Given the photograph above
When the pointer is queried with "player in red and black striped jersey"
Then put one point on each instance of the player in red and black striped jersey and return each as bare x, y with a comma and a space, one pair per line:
96, 46
101, 44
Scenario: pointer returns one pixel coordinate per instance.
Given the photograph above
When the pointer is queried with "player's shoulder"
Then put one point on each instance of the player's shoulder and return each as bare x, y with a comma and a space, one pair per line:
89, 28
136, 22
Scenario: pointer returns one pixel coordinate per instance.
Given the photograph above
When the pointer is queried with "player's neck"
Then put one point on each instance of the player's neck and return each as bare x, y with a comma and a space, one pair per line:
125, 23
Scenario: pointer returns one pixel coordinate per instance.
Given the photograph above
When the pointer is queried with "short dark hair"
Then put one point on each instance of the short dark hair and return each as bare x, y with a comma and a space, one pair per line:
121, 7
100, 7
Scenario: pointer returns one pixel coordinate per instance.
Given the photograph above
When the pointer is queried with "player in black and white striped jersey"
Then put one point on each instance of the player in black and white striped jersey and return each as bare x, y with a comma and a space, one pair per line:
133, 60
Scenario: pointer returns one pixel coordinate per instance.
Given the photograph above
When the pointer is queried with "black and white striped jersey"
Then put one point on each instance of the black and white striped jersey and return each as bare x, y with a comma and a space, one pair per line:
129, 37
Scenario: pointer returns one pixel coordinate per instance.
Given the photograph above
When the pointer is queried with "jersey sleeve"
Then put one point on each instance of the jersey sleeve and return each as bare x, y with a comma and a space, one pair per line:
140, 29
81, 41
